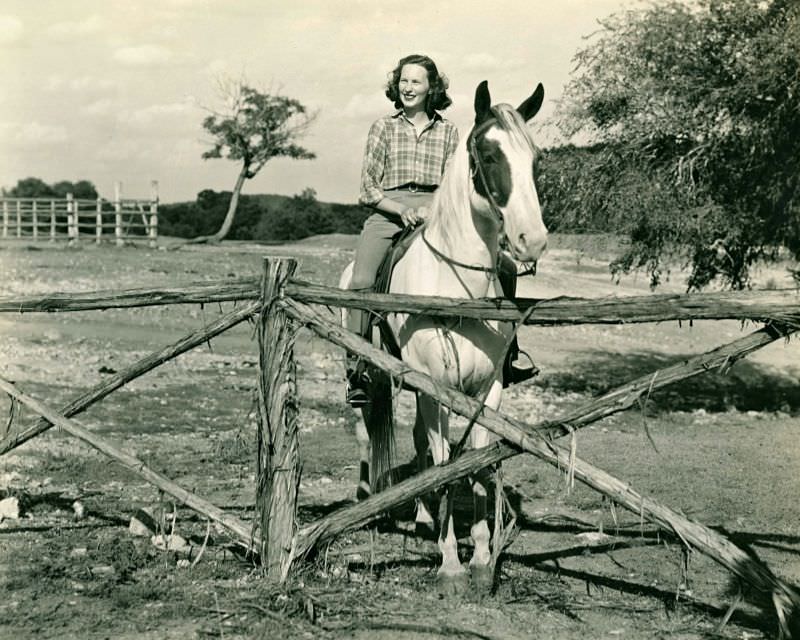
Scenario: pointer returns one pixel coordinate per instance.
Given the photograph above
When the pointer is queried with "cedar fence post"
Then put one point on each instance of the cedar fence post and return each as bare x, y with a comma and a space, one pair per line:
35, 219
278, 473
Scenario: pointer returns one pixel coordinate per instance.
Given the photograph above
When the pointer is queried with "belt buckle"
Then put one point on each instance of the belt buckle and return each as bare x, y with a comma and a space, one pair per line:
412, 187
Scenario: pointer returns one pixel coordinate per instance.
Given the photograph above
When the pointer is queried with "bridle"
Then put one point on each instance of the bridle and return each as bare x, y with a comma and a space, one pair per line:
477, 165
477, 169
491, 272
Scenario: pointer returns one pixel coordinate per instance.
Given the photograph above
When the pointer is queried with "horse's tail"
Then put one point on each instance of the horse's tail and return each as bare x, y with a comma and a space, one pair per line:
378, 414
379, 420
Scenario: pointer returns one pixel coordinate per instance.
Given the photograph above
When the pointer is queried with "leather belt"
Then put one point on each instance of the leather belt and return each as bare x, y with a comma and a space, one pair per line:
413, 187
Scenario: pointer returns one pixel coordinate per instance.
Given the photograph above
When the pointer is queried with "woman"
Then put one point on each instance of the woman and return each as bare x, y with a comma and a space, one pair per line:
405, 158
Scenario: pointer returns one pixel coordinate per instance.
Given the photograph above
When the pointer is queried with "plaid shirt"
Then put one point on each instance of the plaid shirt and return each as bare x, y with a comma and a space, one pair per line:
395, 156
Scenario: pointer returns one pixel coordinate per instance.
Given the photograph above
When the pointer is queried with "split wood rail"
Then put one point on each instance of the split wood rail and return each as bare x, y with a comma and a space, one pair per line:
282, 306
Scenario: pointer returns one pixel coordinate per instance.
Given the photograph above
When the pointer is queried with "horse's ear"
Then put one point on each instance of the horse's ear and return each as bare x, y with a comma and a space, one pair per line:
483, 103
531, 106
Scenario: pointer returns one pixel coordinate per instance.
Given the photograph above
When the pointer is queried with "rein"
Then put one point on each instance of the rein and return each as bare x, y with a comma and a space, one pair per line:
491, 272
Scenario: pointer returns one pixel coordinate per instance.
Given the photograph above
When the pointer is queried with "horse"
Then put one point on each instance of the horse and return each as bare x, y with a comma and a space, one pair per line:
488, 193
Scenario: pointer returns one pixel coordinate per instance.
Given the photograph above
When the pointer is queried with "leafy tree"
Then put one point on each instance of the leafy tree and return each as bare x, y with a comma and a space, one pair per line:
82, 190
255, 128
700, 99
38, 188
31, 188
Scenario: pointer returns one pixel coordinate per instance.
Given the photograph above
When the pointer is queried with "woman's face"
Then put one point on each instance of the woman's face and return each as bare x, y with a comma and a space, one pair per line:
413, 86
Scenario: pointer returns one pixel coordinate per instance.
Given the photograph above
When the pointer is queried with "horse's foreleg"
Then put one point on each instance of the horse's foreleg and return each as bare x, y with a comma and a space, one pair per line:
363, 490
481, 557
451, 572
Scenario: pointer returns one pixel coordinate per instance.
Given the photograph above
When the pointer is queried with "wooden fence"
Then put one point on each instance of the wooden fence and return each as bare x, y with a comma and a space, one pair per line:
75, 219
282, 305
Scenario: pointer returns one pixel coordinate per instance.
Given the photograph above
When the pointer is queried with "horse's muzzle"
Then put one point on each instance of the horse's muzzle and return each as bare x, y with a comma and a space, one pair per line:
527, 248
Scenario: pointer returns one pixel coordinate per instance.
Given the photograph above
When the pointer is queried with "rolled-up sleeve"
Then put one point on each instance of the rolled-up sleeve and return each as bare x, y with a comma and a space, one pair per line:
374, 165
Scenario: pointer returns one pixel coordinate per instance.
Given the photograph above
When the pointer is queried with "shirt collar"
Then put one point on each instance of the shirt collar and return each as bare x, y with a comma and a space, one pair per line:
399, 113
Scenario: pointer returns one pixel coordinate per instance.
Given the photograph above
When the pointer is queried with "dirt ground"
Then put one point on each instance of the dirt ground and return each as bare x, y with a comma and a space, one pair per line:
724, 451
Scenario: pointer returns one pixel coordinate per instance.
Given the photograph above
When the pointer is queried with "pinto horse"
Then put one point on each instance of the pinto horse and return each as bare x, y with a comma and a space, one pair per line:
487, 193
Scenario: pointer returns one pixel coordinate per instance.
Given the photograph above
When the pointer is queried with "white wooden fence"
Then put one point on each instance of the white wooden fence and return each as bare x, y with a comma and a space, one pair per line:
73, 219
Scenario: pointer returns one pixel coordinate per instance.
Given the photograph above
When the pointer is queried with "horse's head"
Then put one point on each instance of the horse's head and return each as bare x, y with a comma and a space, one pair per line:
502, 160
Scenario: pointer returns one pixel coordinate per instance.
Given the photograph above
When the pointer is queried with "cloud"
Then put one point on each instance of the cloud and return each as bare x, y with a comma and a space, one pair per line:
32, 133
143, 55
78, 83
87, 26
11, 29
218, 67
101, 107
361, 107
153, 113
484, 62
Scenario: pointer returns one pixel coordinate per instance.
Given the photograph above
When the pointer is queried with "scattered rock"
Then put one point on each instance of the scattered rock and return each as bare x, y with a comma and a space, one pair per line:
9, 509
79, 510
78, 552
593, 537
142, 524
172, 542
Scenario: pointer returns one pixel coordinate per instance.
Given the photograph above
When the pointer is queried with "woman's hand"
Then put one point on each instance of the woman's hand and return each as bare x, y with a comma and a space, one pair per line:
412, 217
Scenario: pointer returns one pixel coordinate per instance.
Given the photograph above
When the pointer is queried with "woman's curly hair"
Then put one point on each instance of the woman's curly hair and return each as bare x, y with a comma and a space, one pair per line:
437, 99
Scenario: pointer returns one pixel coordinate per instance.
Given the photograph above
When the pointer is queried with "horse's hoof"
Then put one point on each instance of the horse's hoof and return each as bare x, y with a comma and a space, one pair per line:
450, 585
482, 578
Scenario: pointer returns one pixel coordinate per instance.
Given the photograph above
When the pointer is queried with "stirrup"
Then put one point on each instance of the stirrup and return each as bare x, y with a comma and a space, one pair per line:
516, 374
356, 394
356, 398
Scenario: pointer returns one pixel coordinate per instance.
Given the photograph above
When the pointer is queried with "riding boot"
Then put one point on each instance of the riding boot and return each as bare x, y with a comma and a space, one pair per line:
356, 369
514, 371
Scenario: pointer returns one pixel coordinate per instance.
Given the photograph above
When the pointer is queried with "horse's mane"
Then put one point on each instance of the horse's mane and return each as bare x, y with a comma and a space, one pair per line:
451, 200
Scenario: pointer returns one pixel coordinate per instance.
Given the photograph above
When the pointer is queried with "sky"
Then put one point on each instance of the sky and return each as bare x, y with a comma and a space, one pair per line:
116, 90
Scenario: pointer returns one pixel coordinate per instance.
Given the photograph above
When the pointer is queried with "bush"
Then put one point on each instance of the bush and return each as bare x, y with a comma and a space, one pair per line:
266, 218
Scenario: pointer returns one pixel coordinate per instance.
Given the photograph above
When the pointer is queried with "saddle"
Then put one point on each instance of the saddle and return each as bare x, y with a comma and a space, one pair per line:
401, 241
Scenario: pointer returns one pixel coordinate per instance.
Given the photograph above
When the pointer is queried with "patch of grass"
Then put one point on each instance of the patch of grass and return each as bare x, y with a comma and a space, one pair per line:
746, 387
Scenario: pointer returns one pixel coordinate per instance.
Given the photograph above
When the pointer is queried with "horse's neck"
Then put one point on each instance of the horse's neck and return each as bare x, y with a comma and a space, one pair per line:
465, 241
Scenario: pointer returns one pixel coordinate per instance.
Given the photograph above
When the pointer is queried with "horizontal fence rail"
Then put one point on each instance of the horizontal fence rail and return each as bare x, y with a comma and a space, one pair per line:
231, 290
780, 305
